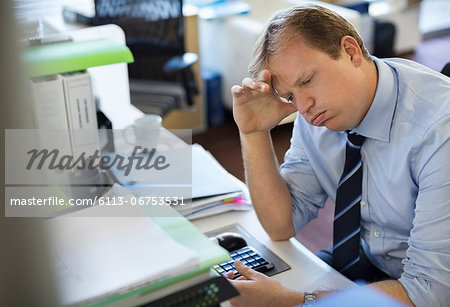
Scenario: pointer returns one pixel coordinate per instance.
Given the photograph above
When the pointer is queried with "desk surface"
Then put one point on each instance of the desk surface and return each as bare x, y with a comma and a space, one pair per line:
307, 273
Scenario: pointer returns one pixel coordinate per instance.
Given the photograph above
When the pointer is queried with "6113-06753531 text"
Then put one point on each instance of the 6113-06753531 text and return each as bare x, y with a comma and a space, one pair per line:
101, 201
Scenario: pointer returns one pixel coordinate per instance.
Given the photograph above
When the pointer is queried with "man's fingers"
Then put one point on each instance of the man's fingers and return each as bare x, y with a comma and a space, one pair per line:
246, 272
266, 76
242, 278
229, 275
250, 83
237, 91
255, 85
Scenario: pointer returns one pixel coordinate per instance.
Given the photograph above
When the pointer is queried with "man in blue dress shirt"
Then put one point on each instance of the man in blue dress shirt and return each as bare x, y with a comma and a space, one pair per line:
310, 60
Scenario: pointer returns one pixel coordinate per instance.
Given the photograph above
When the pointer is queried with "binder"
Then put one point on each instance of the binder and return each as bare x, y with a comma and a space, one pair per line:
66, 102
50, 108
81, 112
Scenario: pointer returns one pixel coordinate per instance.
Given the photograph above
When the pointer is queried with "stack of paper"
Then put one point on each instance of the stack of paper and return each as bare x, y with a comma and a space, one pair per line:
96, 257
214, 190
205, 206
205, 186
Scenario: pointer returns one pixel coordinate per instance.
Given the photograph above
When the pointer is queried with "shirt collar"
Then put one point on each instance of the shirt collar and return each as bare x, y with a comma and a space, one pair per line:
378, 120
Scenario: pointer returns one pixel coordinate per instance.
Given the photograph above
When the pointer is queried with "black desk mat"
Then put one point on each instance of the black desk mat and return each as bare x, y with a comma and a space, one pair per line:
279, 264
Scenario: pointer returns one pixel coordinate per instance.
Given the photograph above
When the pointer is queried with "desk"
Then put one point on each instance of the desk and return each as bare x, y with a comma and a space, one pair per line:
307, 272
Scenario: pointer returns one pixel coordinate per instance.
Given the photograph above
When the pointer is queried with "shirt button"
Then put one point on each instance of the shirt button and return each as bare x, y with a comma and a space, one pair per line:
363, 203
376, 234
387, 258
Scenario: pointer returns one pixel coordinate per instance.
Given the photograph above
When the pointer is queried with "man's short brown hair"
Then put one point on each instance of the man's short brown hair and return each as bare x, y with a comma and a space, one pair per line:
319, 27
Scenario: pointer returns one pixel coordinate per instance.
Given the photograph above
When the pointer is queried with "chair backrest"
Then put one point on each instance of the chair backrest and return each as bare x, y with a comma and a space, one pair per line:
154, 31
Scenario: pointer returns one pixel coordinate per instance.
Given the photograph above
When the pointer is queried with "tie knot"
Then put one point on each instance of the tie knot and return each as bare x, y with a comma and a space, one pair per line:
355, 139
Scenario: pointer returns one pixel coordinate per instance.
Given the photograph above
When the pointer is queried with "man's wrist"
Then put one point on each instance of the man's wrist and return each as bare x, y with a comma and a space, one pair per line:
294, 298
254, 134
260, 140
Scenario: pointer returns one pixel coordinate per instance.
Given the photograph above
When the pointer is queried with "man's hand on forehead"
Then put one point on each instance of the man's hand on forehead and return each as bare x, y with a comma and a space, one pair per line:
256, 85
262, 86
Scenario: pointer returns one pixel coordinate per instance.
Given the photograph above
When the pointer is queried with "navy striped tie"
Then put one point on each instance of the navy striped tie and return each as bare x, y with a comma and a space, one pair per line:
347, 214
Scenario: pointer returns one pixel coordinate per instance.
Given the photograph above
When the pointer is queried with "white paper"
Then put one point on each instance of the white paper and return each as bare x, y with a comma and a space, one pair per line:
206, 201
209, 177
220, 208
100, 256
213, 205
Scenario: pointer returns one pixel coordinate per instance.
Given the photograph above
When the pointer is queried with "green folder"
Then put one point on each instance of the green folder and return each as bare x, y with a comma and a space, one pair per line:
57, 58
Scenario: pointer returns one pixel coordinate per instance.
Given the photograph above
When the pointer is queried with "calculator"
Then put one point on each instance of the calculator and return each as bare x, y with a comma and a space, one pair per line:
248, 256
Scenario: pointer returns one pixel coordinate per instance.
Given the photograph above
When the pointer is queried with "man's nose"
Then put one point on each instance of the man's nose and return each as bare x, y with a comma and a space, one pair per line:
304, 103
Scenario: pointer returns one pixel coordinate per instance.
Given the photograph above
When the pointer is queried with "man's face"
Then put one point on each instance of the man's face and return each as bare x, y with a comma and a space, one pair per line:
326, 92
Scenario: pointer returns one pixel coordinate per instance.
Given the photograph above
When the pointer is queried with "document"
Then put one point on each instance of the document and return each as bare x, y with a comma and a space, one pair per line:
206, 206
214, 190
190, 165
96, 257
194, 175
209, 178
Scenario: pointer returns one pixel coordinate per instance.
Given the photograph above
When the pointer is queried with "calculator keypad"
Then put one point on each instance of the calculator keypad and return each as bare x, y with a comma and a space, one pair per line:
248, 256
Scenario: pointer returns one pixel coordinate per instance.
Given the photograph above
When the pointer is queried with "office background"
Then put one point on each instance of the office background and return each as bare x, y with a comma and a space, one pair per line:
222, 138
224, 43
432, 51
223, 142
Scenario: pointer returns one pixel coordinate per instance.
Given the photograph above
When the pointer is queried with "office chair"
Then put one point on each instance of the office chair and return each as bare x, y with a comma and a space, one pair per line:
161, 77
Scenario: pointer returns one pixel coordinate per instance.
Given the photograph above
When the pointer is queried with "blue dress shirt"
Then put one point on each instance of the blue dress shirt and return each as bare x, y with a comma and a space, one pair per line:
405, 207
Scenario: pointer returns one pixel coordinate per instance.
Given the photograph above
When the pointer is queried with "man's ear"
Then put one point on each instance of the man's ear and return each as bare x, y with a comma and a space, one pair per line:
351, 49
